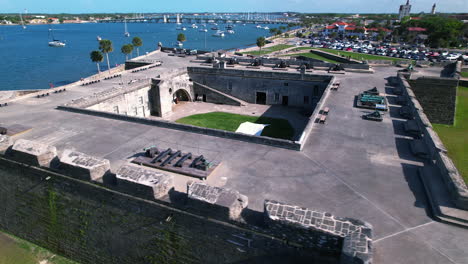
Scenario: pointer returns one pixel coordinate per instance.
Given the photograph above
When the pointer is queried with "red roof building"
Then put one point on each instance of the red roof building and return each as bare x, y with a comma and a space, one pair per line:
416, 29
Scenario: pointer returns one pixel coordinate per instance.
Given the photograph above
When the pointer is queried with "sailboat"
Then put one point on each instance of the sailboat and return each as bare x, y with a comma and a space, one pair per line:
55, 42
22, 22
126, 33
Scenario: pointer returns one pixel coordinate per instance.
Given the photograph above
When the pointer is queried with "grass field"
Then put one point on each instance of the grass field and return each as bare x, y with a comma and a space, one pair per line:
300, 48
278, 128
464, 74
17, 251
314, 56
455, 137
360, 56
268, 50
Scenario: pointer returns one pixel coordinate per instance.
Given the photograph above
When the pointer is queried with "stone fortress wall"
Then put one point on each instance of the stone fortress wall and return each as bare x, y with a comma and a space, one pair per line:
158, 97
166, 87
437, 153
437, 96
76, 206
133, 100
295, 62
300, 90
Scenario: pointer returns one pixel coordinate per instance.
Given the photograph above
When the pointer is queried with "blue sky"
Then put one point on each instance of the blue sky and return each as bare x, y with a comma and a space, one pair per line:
147, 6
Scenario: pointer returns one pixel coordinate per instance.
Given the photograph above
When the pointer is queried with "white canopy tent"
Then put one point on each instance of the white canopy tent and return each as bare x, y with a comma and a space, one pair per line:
250, 128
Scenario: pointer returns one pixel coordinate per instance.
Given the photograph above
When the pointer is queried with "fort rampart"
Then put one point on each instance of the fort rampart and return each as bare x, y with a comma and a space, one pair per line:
74, 205
437, 153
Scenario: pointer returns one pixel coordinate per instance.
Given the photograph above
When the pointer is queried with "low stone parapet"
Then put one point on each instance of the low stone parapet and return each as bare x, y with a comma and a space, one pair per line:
215, 201
431, 146
82, 166
5, 143
33, 153
142, 182
316, 229
453, 180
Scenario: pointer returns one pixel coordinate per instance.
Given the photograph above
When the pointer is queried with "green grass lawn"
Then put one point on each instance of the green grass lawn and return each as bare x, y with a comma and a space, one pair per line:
314, 56
278, 128
16, 251
455, 137
268, 50
360, 56
300, 48
464, 74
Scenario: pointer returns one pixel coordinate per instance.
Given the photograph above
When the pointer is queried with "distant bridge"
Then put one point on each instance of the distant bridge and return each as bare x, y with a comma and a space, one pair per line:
194, 19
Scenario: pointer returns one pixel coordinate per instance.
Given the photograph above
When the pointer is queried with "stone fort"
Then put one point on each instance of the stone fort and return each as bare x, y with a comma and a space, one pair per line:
75, 188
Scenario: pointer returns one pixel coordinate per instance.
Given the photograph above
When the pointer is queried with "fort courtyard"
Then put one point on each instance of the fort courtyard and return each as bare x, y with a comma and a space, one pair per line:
328, 158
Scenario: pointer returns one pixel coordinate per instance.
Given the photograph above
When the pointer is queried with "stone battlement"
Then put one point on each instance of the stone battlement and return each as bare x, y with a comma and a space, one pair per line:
84, 177
436, 151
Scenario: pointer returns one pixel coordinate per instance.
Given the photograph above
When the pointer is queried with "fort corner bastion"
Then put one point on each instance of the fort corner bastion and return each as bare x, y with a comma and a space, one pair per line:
75, 205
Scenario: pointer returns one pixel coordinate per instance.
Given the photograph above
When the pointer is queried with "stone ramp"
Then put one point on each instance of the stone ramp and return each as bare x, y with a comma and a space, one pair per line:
229, 97
442, 207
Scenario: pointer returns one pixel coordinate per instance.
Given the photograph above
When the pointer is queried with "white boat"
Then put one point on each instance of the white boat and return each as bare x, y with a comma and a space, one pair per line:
56, 43
178, 44
194, 26
98, 38
126, 33
218, 33
230, 31
203, 30
184, 28
267, 28
258, 26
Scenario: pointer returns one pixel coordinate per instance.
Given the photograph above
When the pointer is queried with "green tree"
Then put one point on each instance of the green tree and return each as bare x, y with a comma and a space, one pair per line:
96, 56
381, 35
273, 31
127, 49
137, 42
181, 37
105, 46
260, 43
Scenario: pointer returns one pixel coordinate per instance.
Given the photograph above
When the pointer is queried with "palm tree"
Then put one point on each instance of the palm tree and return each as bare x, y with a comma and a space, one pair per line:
260, 43
127, 49
137, 42
105, 46
181, 37
96, 56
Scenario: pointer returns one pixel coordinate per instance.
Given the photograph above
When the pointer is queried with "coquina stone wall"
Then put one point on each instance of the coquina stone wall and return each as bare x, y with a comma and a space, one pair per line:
435, 150
302, 90
74, 205
437, 96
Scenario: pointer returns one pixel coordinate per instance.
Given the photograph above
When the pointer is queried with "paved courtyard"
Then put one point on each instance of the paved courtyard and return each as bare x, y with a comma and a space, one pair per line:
349, 167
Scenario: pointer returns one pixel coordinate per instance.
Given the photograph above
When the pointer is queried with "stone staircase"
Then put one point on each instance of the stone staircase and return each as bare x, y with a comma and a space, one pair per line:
241, 102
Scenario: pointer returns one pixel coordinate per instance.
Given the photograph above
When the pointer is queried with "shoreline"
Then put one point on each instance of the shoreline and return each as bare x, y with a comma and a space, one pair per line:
118, 69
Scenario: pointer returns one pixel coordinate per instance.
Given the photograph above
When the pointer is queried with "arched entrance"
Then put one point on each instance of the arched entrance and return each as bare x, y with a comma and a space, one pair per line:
181, 95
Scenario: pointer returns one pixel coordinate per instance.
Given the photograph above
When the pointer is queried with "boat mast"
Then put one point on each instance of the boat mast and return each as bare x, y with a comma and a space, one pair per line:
22, 22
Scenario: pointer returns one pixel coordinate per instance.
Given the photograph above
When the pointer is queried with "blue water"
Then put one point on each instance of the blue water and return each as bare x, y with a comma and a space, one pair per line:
27, 62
